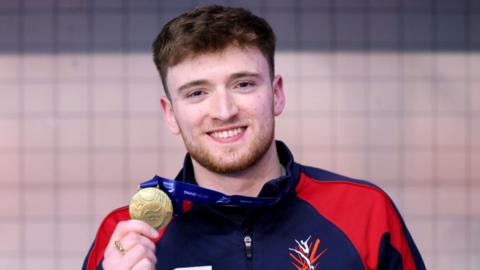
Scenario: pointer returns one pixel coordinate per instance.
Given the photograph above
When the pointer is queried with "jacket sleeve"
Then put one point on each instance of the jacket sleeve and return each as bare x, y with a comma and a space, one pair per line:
93, 260
85, 261
389, 257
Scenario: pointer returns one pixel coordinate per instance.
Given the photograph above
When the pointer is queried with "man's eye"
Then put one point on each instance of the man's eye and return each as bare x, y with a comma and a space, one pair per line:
244, 84
195, 93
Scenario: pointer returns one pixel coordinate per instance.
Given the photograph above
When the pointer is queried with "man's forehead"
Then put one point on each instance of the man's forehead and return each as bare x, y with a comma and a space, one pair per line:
251, 53
230, 61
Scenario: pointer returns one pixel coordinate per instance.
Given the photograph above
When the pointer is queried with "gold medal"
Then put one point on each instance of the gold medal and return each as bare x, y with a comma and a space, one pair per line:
151, 205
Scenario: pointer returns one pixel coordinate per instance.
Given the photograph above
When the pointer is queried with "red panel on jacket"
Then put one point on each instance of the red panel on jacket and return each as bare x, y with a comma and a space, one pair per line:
364, 213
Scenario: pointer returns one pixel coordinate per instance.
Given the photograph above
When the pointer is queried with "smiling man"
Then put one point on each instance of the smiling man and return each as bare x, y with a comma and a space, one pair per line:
223, 104
222, 97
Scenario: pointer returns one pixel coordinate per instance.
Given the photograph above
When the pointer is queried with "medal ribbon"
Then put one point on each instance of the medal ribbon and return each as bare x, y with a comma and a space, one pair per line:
180, 191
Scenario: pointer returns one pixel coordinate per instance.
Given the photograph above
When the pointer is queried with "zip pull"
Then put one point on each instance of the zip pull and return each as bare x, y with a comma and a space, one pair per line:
248, 246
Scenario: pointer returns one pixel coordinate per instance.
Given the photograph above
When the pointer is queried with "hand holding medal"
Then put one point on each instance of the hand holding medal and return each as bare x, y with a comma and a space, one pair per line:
132, 242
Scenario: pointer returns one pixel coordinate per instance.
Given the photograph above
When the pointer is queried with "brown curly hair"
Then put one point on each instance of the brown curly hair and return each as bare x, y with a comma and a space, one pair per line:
210, 29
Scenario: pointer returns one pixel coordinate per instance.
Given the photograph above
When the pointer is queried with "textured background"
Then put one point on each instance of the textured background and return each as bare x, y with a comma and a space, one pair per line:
385, 90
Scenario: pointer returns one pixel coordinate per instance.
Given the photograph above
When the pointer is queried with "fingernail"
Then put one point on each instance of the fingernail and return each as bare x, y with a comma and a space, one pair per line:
154, 234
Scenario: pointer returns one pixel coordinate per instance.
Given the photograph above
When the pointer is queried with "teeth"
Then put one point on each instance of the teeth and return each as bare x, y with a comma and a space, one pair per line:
226, 133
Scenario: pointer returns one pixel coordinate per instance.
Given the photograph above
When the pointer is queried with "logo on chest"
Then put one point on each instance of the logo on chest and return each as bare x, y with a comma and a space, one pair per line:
306, 254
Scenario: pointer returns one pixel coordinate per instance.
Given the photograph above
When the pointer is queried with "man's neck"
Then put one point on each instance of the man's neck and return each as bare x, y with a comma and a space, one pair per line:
248, 182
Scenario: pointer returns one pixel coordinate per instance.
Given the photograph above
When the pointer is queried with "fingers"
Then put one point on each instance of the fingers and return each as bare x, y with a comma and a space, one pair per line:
127, 227
139, 257
144, 264
133, 225
132, 239
133, 257
136, 255
139, 250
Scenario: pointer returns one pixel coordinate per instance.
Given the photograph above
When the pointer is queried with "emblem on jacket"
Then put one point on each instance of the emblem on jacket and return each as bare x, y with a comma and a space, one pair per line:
305, 254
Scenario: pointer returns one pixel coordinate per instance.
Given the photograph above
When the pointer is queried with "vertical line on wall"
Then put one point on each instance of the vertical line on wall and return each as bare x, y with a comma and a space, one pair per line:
334, 85
332, 149
296, 74
125, 115
21, 133
91, 151
401, 101
55, 122
434, 115
367, 84
468, 147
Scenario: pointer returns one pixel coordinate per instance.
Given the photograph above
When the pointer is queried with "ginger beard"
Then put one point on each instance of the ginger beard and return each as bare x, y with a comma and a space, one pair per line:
235, 158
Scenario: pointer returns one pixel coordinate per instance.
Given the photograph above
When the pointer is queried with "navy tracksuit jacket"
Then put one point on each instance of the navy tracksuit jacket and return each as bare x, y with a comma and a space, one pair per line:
323, 221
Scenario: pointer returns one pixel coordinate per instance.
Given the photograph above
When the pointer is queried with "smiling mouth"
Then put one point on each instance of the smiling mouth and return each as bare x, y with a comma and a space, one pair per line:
228, 133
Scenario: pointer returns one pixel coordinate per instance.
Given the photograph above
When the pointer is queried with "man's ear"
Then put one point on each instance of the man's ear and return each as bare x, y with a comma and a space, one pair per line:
278, 95
169, 116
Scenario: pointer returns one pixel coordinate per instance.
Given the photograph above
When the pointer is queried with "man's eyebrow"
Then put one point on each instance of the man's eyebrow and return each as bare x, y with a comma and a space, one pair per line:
206, 82
192, 84
244, 74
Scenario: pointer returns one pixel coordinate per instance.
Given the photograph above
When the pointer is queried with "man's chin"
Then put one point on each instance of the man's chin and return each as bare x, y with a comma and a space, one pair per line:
221, 166
230, 158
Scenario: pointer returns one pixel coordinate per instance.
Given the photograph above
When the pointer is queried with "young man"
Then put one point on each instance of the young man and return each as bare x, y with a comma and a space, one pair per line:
217, 68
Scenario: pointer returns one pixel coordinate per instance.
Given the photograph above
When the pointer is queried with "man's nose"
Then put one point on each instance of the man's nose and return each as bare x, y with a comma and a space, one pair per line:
223, 106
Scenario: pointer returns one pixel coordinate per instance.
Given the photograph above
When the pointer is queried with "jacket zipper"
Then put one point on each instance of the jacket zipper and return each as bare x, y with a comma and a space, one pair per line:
247, 240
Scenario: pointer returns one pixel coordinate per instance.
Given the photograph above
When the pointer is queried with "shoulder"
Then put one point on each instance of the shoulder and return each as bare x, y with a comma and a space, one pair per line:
321, 185
351, 204
363, 211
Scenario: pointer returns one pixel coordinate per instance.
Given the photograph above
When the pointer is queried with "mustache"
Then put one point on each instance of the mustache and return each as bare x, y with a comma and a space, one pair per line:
216, 124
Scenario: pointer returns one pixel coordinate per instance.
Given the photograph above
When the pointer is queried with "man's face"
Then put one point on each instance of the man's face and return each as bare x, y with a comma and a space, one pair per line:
223, 104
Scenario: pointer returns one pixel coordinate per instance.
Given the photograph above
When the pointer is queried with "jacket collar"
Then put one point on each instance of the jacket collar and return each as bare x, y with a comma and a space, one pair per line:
275, 187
